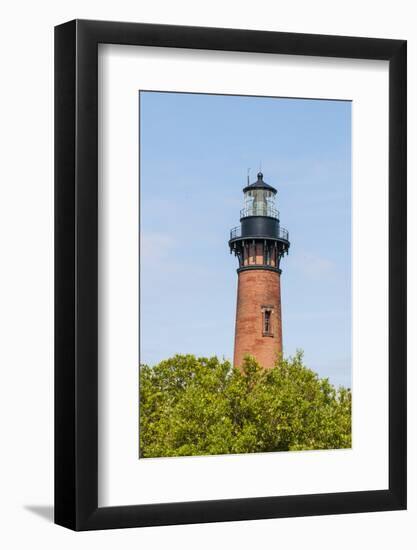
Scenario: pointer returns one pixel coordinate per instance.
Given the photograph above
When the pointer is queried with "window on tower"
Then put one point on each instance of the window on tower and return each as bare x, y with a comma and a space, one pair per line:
267, 256
267, 322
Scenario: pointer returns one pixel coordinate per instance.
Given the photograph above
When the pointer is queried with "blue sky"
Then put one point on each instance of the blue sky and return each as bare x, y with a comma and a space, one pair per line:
195, 150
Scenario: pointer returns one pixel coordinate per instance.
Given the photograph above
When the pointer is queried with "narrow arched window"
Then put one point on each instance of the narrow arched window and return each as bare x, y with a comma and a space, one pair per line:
267, 322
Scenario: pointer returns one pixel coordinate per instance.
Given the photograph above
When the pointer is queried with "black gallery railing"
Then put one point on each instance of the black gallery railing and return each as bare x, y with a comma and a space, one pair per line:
259, 210
236, 233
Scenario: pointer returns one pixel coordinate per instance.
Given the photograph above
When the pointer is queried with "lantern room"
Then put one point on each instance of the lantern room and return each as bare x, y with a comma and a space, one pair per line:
259, 199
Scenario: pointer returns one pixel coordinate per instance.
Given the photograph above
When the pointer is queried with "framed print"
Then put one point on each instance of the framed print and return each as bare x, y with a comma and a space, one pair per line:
230, 254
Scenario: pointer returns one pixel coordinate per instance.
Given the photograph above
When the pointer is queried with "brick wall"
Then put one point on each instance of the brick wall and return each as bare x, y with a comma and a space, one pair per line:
257, 289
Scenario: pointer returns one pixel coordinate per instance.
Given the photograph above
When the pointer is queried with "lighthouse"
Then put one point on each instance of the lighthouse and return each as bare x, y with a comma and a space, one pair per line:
259, 243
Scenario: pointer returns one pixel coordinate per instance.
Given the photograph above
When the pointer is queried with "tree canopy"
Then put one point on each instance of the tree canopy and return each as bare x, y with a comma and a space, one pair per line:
204, 406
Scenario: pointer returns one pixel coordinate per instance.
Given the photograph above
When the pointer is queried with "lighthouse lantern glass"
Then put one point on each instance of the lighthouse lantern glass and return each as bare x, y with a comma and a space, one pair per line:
259, 202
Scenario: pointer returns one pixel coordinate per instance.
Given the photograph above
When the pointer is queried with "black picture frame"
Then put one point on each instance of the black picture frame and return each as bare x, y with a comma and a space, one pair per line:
76, 272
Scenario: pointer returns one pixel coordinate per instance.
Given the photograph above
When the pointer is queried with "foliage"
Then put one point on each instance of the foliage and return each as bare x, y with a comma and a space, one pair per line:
203, 406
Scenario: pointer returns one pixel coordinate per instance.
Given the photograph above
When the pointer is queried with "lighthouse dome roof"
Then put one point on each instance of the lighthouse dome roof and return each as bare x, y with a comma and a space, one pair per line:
260, 184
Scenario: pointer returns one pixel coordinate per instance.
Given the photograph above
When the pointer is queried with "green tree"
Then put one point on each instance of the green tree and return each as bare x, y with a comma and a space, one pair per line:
203, 406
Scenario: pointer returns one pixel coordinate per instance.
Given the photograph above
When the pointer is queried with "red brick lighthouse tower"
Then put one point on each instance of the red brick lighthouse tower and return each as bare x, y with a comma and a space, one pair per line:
259, 244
